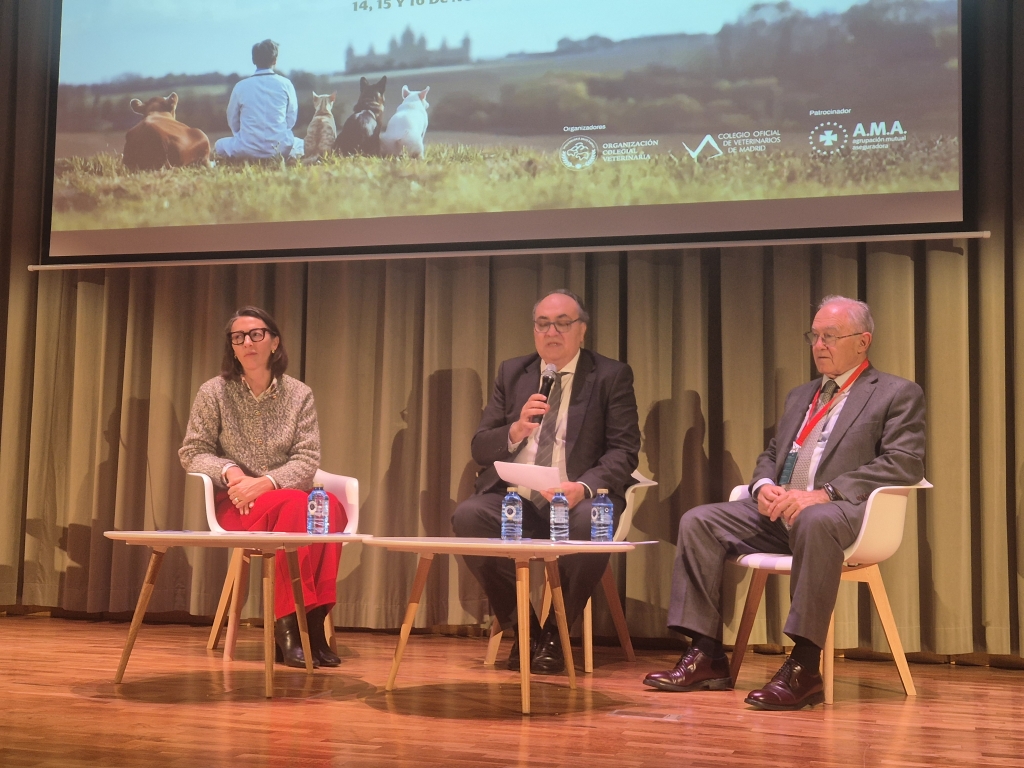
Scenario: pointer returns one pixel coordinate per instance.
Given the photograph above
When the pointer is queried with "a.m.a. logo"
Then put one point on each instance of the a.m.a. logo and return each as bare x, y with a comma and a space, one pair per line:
879, 129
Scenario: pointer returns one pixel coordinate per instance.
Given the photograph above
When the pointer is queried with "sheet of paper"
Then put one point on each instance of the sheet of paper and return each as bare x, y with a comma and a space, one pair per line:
528, 475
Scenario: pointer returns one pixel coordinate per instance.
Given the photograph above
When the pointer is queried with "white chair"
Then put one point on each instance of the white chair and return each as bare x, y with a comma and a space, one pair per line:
880, 535
236, 583
611, 593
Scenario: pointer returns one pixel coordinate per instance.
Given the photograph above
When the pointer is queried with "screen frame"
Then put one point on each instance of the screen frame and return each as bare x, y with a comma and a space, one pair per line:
965, 227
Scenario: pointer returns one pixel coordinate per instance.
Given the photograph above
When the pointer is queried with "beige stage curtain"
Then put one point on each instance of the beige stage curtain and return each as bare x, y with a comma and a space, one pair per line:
100, 368
401, 355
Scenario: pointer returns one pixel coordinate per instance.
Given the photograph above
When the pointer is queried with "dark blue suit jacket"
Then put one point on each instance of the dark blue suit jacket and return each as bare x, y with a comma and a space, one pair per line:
602, 435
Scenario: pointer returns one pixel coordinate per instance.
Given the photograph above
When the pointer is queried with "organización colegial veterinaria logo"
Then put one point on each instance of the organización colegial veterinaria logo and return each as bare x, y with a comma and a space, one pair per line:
578, 153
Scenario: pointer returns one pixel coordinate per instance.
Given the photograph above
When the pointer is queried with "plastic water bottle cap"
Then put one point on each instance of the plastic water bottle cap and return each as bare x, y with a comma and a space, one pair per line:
511, 489
318, 486
602, 490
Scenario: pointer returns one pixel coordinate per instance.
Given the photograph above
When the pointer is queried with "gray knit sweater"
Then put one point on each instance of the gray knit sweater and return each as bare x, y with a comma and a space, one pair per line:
275, 434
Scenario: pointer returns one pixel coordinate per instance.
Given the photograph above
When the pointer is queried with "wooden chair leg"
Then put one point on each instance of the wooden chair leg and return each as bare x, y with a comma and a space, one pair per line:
295, 576
757, 582
239, 592
545, 606
828, 660
332, 640
234, 564
873, 576
611, 594
493, 643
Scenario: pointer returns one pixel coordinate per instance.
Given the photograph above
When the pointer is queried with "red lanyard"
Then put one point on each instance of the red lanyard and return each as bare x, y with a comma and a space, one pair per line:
819, 415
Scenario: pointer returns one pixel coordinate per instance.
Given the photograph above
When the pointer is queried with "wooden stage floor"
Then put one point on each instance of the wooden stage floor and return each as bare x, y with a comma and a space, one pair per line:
182, 706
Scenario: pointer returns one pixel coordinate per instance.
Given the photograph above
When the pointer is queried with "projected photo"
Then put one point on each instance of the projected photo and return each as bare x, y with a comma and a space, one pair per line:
341, 117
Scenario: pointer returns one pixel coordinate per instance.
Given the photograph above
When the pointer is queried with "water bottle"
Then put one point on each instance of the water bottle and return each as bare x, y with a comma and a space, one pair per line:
559, 517
512, 517
318, 511
602, 516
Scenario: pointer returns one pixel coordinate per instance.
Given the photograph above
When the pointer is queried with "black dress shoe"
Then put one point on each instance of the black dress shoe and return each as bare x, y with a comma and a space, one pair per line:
535, 633
695, 671
792, 687
513, 656
318, 644
548, 658
289, 642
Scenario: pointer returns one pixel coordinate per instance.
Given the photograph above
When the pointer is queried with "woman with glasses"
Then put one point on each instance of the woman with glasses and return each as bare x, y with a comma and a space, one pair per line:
253, 431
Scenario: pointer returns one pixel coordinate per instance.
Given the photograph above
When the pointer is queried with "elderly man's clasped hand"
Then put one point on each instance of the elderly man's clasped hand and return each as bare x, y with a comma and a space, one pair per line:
774, 501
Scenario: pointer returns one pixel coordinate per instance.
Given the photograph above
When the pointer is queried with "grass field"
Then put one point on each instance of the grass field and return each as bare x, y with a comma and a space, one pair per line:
98, 193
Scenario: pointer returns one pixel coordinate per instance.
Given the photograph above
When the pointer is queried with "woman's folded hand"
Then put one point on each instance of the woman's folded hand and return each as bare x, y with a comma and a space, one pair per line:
244, 490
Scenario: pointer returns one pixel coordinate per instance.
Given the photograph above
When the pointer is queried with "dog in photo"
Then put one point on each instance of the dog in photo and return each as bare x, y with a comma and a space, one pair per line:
160, 141
408, 126
360, 134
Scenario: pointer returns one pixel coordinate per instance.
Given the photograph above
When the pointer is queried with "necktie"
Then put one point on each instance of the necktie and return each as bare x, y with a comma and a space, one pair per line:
546, 441
803, 462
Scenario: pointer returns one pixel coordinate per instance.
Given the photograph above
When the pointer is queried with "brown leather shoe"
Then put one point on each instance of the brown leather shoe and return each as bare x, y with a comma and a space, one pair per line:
792, 687
696, 671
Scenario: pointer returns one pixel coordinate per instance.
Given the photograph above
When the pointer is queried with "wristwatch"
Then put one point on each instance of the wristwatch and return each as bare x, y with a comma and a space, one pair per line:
833, 494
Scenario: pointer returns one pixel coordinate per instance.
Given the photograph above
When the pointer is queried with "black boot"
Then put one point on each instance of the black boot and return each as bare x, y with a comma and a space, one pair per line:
318, 638
289, 642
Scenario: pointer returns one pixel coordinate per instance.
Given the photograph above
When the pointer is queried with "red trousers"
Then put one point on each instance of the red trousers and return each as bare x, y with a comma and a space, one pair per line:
285, 510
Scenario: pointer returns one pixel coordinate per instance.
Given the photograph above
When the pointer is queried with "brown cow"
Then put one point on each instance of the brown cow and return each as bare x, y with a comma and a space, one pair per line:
160, 141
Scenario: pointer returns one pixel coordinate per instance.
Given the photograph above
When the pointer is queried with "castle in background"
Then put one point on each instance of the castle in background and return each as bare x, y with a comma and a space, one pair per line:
409, 53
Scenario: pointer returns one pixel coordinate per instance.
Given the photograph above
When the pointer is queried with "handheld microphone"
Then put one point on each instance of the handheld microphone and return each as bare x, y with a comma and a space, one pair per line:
547, 380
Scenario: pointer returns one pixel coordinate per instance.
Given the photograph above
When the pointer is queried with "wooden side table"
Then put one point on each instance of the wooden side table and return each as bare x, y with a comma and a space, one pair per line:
522, 552
267, 542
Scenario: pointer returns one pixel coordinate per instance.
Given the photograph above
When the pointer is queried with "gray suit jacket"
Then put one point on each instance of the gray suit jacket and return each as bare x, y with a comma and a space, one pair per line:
878, 439
602, 434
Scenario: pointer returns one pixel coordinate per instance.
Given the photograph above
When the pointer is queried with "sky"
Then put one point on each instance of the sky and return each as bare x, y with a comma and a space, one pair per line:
103, 39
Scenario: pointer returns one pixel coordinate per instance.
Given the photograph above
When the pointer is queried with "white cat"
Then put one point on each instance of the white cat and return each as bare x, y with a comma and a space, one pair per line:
408, 126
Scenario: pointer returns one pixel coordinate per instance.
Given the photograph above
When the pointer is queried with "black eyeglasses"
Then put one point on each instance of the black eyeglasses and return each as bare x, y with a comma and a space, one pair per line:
562, 326
828, 339
254, 334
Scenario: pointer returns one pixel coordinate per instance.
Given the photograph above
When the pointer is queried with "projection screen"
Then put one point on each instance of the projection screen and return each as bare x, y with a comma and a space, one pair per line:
418, 126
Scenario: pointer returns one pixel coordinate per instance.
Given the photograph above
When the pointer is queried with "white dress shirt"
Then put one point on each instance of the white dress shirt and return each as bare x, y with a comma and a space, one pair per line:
261, 114
826, 430
529, 453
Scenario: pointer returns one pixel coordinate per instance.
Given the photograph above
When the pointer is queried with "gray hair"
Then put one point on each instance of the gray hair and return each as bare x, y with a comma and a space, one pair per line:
584, 315
858, 312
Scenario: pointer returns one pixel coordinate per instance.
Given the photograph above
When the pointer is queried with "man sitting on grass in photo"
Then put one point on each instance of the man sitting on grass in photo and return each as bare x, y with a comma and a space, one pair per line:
262, 112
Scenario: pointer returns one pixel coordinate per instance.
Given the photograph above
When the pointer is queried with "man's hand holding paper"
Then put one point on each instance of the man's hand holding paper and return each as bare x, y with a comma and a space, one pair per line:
530, 476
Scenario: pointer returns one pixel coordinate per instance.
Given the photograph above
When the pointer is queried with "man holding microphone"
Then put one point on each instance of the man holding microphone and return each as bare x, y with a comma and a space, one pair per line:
588, 428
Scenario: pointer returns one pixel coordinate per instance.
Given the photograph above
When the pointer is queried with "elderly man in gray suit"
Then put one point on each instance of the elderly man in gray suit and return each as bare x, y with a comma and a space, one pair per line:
840, 437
